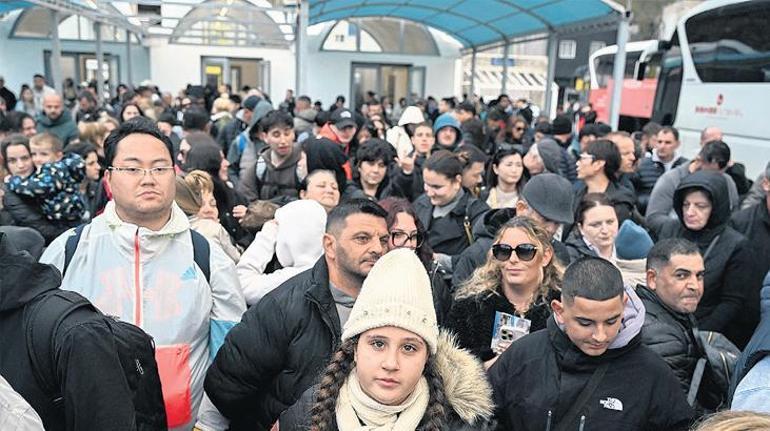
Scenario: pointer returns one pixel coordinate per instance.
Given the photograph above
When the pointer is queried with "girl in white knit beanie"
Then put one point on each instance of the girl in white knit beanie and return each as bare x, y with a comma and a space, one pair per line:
394, 371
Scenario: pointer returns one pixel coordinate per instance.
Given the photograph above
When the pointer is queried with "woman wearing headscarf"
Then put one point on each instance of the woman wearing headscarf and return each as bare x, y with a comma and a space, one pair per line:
730, 304
394, 370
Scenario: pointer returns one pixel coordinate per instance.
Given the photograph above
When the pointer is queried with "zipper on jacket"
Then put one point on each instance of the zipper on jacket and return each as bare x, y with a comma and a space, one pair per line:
548, 421
582, 423
137, 282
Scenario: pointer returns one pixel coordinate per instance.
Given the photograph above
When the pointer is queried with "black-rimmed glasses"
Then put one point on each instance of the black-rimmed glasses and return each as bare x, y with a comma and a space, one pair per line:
401, 238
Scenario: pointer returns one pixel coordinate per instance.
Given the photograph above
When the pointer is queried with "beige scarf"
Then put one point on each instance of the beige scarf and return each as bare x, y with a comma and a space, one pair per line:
354, 407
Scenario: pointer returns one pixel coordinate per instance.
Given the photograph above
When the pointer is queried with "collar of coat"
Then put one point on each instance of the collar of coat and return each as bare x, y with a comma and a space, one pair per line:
177, 223
465, 382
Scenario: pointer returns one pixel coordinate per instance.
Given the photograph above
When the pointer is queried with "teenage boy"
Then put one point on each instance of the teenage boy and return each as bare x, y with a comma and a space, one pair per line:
278, 171
567, 377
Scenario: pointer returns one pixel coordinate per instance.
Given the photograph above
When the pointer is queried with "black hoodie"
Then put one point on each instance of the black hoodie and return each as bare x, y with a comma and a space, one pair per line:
541, 375
730, 302
96, 395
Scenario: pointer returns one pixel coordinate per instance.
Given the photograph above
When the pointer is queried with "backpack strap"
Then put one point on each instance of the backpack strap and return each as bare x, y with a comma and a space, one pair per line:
41, 322
71, 246
201, 254
572, 414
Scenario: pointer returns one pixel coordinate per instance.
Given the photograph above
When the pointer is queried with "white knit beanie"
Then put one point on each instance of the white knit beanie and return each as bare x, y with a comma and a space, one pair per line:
397, 292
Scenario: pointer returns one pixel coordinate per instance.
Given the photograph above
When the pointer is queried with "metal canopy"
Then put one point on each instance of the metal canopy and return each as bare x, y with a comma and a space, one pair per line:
477, 23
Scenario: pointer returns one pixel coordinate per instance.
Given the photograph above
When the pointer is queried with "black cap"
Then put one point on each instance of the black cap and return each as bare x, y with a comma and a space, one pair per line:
168, 117
342, 117
561, 125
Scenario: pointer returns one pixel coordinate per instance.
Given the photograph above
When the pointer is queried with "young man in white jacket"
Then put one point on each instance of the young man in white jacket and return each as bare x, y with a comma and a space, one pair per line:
135, 261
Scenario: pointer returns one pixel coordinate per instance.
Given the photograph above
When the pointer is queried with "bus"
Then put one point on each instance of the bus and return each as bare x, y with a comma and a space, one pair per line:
714, 70
637, 95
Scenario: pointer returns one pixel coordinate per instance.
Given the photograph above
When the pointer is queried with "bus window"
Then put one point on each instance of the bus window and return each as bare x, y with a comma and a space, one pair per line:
731, 43
603, 65
669, 85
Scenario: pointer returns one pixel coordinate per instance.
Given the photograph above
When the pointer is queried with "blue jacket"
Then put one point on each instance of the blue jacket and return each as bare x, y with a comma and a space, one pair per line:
759, 346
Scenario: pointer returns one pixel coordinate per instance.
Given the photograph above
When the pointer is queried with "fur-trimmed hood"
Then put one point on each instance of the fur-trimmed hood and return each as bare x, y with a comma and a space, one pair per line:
467, 389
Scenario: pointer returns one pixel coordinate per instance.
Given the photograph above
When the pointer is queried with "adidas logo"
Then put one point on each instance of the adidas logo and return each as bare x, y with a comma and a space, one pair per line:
190, 274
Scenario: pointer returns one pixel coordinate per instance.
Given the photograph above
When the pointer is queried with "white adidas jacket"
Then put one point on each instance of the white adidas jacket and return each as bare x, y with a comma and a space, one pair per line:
150, 279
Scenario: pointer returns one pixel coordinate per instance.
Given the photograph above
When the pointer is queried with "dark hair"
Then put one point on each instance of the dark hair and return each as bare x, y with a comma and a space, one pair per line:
340, 98
11, 140
497, 115
324, 409
660, 254
373, 150
195, 119
587, 130
5, 123
715, 152
670, 129
492, 178
337, 218
446, 163
17, 119
651, 129
136, 125
472, 154
126, 105
304, 98
88, 96
394, 206
303, 185
450, 101
322, 117
37, 75
276, 119
205, 156
591, 200
81, 148
606, 150
543, 127
591, 278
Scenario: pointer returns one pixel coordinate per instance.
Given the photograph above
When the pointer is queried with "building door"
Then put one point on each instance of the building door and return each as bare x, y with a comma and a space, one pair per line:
392, 80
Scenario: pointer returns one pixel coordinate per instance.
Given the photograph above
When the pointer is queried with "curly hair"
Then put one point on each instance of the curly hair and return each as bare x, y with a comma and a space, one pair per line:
323, 412
486, 279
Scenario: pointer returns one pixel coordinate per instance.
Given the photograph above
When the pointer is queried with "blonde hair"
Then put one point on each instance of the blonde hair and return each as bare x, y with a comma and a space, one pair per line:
486, 279
221, 104
735, 421
92, 131
190, 190
200, 182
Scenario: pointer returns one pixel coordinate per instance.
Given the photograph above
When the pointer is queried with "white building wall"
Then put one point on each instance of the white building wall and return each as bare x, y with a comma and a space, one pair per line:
174, 66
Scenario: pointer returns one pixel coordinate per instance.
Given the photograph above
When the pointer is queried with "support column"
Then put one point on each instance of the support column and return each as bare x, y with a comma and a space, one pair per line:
506, 49
553, 43
619, 69
55, 60
473, 74
300, 38
129, 72
99, 63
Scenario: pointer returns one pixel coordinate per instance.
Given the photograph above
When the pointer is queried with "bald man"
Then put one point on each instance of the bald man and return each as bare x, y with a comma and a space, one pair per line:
736, 171
56, 120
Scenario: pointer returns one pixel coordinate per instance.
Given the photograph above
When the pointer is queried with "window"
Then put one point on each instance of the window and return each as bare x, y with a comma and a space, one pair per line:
595, 46
731, 43
380, 35
669, 85
567, 49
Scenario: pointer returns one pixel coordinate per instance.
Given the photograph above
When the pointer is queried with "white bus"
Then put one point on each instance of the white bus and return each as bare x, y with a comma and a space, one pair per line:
714, 70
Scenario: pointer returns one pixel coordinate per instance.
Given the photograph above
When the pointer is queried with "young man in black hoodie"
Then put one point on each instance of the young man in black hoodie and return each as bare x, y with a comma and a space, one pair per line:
95, 394
588, 369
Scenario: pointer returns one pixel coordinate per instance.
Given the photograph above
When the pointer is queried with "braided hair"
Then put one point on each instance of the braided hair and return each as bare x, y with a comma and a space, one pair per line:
323, 412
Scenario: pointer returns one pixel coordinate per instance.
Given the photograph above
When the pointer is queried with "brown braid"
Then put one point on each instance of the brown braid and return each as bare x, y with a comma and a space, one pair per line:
323, 415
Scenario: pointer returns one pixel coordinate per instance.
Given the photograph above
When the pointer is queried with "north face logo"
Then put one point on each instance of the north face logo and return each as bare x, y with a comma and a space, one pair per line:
612, 404
346, 114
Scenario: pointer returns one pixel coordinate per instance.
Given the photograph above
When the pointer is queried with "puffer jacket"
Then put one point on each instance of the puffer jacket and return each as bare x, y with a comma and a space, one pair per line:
25, 211
276, 352
670, 335
730, 302
647, 174
758, 347
447, 234
467, 391
150, 279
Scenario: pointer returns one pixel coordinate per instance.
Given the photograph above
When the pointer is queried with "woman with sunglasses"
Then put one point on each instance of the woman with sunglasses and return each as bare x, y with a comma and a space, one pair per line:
446, 209
505, 179
406, 231
519, 278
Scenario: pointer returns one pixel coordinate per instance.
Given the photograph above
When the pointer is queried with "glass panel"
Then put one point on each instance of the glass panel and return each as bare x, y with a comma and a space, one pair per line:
68, 28
417, 82
69, 68
395, 82
368, 44
669, 85
364, 79
731, 43
340, 38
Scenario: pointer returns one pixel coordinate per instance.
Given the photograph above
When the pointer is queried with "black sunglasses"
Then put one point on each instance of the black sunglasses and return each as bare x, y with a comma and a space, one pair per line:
525, 252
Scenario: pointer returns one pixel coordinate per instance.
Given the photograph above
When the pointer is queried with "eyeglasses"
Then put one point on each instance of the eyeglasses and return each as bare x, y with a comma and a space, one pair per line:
525, 252
157, 172
400, 238
587, 156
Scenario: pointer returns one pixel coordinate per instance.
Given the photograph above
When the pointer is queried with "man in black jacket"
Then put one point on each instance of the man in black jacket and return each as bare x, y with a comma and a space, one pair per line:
567, 376
95, 393
675, 273
284, 342
546, 198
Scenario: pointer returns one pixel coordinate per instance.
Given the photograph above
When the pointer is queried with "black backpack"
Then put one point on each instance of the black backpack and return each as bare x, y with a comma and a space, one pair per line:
135, 349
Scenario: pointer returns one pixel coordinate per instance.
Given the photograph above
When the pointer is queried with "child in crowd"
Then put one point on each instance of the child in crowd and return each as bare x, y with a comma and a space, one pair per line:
55, 182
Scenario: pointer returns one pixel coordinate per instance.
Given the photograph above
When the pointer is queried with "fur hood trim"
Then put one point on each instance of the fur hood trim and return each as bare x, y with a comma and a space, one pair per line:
465, 382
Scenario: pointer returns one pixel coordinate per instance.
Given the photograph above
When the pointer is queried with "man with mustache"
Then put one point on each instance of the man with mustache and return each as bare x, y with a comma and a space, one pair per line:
284, 341
675, 271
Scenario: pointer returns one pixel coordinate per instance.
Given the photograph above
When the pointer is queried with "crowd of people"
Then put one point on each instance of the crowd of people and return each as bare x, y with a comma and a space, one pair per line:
218, 260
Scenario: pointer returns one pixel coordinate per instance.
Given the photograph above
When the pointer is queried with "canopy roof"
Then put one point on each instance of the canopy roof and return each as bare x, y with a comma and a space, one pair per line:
477, 22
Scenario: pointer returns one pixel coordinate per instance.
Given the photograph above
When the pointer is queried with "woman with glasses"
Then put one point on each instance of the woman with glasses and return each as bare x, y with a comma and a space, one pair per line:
406, 231
510, 295
505, 179
446, 209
